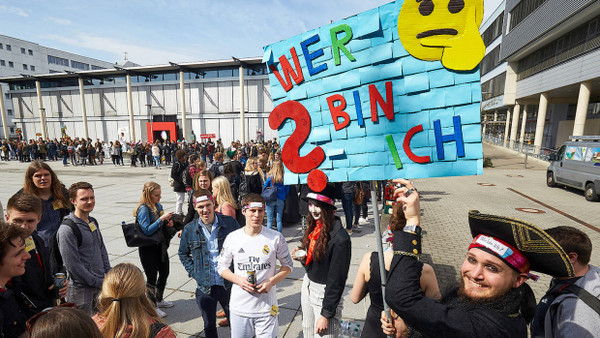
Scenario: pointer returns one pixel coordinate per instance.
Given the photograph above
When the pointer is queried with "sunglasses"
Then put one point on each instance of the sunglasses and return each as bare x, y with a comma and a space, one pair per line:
32, 320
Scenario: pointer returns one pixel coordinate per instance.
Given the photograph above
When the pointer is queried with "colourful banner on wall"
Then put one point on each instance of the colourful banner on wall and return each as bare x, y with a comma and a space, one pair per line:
391, 92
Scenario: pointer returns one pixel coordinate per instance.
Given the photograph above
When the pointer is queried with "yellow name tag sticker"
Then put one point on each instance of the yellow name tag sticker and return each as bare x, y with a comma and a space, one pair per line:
274, 310
93, 226
29, 244
162, 212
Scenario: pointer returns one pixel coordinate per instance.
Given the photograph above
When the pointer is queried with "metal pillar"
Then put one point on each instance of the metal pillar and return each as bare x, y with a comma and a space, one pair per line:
523, 123
83, 110
583, 102
184, 127
508, 112
515, 125
541, 121
242, 108
3, 113
38, 89
130, 106
485, 117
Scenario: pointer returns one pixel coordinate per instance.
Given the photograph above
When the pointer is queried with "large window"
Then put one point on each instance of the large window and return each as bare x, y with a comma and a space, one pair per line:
97, 67
494, 30
522, 10
9, 48
80, 65
22, 50
579, 41
490, 61
3, 63
493, 87
55, 60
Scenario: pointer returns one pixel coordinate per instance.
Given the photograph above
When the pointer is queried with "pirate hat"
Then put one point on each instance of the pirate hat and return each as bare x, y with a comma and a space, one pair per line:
326, 196
502, 236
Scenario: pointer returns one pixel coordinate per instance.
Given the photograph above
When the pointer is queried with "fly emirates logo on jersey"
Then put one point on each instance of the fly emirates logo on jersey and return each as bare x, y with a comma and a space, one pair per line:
254, 264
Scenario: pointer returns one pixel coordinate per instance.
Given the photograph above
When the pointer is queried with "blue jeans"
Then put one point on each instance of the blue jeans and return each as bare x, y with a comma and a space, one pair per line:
348, 208
275, 208
208, 305
156, 161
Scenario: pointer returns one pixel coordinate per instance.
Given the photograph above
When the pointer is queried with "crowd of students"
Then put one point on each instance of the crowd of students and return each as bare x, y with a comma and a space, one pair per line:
237, 262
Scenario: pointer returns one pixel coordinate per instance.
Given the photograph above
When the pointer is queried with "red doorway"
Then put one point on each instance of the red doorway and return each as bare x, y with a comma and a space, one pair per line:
156, 129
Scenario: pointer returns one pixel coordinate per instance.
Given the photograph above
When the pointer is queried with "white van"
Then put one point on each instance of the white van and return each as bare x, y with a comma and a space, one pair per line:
577, 164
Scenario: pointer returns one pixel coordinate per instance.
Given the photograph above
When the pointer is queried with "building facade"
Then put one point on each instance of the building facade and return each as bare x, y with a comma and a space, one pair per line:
24, 57
549, 62
175, 101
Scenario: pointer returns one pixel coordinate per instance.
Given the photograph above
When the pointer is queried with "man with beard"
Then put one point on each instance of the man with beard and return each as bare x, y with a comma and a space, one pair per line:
493, 300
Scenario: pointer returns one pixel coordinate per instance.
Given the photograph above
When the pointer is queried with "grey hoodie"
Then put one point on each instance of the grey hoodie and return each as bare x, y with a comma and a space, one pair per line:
88, 263
569, 316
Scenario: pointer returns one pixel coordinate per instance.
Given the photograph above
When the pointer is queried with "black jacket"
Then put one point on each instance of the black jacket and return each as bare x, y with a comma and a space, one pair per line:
12, 317
332, 269
435, 319
176, 174
35, 282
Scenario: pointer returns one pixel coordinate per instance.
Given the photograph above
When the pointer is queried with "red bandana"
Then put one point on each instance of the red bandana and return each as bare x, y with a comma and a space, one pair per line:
314, 235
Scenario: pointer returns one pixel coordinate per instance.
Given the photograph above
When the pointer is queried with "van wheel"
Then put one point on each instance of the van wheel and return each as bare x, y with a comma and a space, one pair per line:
550, 179
590, 193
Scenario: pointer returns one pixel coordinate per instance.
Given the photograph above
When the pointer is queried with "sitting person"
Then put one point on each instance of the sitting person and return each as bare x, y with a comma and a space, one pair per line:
368, 279
124, 308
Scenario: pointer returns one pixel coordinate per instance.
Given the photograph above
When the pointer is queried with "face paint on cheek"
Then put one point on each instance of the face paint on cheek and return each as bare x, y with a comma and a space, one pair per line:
315, 211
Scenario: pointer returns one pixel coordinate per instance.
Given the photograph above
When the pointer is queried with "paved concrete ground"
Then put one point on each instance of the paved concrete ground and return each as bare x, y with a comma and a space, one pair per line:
445, 203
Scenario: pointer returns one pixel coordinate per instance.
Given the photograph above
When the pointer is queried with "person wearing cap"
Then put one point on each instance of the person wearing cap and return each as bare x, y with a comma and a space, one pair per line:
253, 252
327, 249
493, 299
566, 309
201, 243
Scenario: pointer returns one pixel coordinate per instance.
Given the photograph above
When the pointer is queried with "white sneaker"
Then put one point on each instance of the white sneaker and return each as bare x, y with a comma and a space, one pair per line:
164, 304
161, 313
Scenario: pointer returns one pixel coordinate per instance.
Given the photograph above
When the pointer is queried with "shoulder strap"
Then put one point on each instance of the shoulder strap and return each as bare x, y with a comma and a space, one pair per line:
584, 295
155, 329
69, 222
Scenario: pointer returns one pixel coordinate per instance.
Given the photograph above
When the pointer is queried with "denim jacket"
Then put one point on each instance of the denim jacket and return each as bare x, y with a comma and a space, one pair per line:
194, 253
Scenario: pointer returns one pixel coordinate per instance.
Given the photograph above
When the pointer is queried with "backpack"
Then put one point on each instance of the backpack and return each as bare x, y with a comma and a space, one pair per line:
216, 169
155, 329
581, 293
56, 260
244, 189
186, 177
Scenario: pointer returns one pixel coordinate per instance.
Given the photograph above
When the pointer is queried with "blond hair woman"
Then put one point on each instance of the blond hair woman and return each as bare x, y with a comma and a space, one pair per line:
151, 217
124, 309
254, 176
275, 208
221, 190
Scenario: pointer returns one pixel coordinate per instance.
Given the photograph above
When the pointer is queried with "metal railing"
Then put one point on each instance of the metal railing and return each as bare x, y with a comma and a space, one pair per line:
525, 148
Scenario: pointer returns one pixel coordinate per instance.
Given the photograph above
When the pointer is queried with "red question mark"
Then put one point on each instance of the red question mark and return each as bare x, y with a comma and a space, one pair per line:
290, 152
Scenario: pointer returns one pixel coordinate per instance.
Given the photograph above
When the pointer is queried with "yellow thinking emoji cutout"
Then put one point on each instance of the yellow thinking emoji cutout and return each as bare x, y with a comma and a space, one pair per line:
446, 30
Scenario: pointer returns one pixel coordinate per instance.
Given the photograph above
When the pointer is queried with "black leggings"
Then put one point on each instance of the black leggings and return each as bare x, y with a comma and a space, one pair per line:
156, 264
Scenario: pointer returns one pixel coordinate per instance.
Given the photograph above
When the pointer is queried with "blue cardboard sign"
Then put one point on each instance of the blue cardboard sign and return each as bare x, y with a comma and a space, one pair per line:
351, 102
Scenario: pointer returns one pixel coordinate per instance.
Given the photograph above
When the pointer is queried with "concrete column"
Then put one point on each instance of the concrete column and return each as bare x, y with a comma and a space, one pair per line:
541, 121
130, 106
508, 112
496, 115
38, 88
83, 111
242, 108
515, 124
184, 127
523, 123
582, 107
485, 118
3, 113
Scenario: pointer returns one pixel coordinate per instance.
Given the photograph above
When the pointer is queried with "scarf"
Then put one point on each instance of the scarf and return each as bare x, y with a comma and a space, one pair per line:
314, 235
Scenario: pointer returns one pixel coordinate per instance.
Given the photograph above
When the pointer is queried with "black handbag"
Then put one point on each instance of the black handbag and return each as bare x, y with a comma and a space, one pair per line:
135, 237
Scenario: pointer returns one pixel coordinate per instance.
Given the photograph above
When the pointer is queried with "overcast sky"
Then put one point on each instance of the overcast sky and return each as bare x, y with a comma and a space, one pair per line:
157, 31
